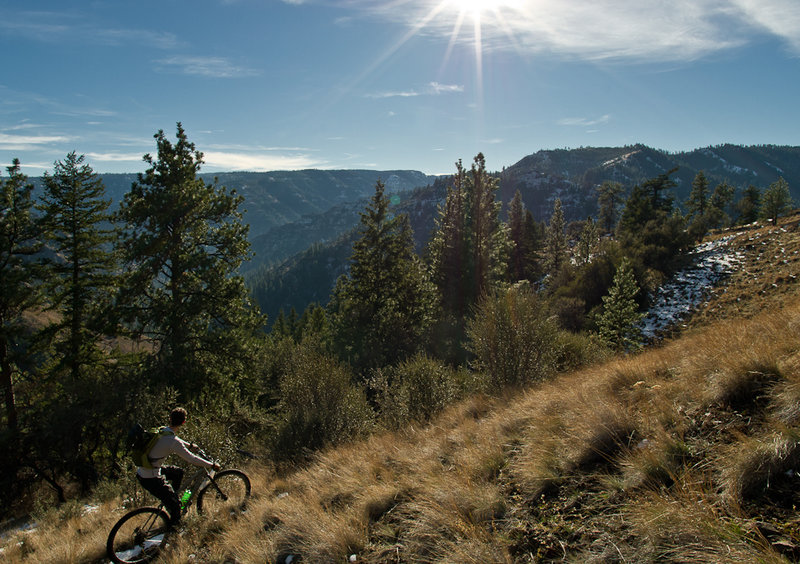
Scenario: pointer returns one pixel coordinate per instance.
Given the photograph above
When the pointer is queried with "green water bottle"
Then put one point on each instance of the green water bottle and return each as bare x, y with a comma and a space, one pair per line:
185, 498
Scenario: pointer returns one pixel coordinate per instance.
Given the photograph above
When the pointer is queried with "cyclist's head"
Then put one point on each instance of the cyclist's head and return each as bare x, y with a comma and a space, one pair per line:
177, 417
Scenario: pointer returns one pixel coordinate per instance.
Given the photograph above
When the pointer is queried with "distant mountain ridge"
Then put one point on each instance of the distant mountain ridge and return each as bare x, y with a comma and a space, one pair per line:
569, 174
573, 174
281, 197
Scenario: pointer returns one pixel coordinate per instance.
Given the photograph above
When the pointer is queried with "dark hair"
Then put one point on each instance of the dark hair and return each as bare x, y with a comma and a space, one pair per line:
177, 416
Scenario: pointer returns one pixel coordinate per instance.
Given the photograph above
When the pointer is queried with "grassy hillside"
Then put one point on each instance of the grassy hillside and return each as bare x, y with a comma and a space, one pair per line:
686, 452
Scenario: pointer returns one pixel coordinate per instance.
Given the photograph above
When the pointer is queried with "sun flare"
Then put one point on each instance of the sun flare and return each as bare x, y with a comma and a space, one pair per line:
478, 7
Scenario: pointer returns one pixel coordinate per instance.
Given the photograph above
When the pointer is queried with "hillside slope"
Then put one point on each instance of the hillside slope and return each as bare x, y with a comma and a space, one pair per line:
573, 174
689, 451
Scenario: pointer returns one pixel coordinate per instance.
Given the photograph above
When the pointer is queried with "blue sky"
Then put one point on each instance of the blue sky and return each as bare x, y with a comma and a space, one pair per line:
392, 84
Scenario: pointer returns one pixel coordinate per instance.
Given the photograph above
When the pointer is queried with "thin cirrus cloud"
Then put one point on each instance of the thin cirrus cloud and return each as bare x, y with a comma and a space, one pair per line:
21, 142
584, 122
643, 31
210, 67
258, 162
52, 27
431, 89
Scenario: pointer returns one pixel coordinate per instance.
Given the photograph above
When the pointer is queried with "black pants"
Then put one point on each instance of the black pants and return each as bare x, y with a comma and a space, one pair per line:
165, 488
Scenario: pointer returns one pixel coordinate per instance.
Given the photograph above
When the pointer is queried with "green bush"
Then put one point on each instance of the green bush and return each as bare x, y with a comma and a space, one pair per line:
416, 390
318, 405
576, 350
513, 339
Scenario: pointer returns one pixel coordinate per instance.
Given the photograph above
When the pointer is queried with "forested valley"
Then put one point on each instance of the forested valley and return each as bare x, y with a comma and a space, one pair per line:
113, 318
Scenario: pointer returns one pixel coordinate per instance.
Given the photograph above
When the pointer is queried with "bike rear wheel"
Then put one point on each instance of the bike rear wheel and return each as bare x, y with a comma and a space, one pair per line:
139, 536
228, 492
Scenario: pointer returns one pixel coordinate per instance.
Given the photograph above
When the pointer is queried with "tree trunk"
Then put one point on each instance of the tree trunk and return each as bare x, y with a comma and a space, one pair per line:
7, 383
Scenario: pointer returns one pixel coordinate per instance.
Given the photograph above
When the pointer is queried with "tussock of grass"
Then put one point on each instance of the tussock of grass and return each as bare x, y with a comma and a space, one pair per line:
754, 464
688, 525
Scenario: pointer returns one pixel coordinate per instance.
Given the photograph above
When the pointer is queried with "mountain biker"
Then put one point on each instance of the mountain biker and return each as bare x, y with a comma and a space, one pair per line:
165, 481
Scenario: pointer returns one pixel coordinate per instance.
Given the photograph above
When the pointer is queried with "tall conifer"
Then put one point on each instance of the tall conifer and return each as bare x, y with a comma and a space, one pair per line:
468, 251
76, 219
382, 308
183, 243
20, 239
556, 241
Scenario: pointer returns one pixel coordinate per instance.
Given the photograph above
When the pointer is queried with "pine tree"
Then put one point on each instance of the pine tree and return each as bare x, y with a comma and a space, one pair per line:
532, 239
20, 239
556, 241
76, 219
749, 205
609, 200
381, 309
469, 249
589, 239
468, 253
718, 203
698, 201
183, 242
776, 200
516, 230
619, 322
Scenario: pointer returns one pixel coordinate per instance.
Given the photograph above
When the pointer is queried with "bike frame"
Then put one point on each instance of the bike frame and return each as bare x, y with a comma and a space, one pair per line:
195, 484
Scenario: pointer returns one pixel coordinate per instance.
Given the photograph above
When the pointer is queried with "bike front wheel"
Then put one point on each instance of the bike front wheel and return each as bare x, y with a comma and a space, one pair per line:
139, 536
228, 492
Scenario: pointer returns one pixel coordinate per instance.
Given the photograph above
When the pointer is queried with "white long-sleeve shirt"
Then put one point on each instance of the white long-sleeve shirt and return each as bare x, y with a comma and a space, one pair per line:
166, 445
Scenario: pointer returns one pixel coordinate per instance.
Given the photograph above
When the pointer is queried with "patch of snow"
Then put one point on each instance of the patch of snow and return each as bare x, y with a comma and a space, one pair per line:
686, 289
27, 527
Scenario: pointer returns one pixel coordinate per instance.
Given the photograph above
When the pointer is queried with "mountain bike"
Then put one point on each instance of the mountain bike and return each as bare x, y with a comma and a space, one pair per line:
141, 534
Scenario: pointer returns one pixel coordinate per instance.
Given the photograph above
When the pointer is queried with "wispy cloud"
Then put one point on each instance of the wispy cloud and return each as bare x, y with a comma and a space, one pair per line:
584, 122
394, 94
22, 142
115, 157
437, 88
259, 162
211, 67
53, 27
161, 40
646, 30
431, 89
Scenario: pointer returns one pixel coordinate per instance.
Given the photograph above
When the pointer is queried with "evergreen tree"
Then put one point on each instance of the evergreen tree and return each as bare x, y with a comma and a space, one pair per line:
314, 323
776, 200
75, 216
381, 309
532, 238
588, 241
525, 237
20, 239
749, 205
468, 252
556, 241
717, 205
619, 321
652, 232
183, 242
638, 211
609, 200
657, 187
698, 201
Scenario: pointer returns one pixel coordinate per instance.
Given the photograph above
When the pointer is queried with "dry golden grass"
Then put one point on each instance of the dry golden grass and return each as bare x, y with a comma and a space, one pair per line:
687, 452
